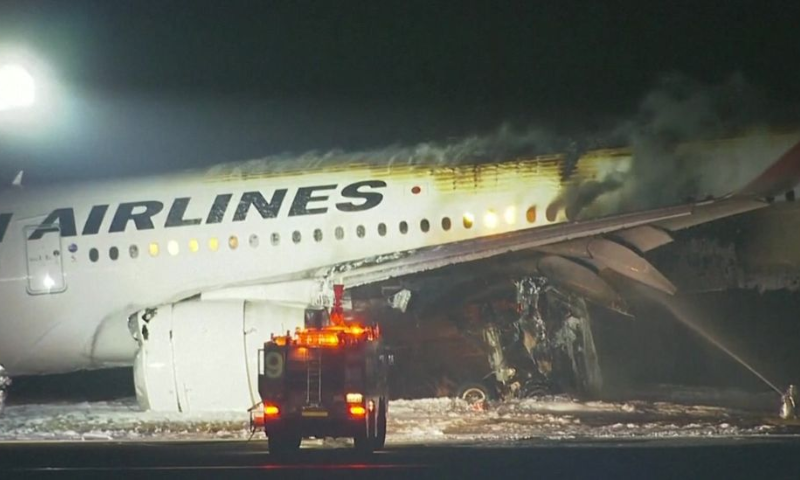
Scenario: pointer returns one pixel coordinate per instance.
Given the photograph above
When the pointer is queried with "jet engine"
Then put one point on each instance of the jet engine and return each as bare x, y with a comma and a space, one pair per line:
200, 355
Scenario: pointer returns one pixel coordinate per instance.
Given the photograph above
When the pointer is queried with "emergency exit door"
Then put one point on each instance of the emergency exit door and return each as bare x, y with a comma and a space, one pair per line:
43, 253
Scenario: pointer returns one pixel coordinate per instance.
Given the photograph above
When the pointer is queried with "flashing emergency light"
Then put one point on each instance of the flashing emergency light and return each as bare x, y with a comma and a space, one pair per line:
331, 336
320, 338
357, 410
271, 411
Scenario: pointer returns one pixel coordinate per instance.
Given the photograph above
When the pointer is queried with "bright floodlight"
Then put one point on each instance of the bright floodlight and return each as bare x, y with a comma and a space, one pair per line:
17, 88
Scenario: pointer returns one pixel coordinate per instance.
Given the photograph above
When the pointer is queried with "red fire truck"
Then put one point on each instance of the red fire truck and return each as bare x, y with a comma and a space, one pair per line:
326, 381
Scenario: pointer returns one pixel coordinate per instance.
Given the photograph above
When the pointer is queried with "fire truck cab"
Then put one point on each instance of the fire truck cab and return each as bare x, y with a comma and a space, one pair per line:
328, 381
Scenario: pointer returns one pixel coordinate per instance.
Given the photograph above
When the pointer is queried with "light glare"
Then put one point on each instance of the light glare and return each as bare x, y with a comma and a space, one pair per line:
510, 215
17, 87
490, 219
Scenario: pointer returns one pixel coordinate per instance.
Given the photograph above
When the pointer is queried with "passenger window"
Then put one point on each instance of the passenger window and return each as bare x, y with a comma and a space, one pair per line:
296, 236
339, 233
173, 248
530, 215
446, 224
275, 239
317, 235
94, 255
424, 225
361, 231
469, 220
134, 251
113, 253
153, 249
233, 242
382, 229
403, 227
194, 245
254, 240
213, 244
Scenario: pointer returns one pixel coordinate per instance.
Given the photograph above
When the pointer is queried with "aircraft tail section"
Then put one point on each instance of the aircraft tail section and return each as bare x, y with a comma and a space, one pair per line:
778, 178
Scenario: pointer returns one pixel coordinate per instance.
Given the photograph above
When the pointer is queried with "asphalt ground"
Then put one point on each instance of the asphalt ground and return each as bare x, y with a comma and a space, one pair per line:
762, 458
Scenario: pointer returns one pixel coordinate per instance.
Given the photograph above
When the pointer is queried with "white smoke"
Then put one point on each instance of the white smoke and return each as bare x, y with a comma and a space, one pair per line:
675, 157
665, 168
506, 143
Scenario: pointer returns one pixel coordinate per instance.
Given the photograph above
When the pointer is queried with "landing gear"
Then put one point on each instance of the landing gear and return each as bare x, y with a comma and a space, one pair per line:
474, 392
547, 348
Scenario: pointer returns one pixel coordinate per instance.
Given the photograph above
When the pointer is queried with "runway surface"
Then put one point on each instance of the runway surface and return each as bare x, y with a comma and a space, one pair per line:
767, 458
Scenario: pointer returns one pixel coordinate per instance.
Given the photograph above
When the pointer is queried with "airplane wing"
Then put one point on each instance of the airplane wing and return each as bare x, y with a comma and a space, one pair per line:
614, 242
581, 254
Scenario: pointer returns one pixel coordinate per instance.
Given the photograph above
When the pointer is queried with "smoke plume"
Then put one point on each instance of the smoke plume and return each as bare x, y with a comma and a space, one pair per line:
665, 168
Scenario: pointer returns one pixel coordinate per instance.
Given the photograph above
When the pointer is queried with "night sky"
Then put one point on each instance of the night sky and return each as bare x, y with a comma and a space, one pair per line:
150, 86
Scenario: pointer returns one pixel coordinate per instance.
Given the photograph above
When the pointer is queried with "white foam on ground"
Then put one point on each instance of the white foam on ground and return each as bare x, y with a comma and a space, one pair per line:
439, 420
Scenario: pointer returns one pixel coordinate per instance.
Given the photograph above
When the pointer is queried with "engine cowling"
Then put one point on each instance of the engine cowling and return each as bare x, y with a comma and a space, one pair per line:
203, 355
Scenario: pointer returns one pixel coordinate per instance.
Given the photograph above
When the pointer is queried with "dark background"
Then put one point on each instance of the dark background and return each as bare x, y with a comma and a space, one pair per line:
150, 86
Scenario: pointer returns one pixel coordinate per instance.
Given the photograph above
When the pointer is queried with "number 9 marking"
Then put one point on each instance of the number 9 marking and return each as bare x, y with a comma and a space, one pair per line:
273, 365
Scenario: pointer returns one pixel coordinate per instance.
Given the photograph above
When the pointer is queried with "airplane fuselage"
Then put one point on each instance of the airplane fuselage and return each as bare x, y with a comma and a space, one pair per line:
76, 261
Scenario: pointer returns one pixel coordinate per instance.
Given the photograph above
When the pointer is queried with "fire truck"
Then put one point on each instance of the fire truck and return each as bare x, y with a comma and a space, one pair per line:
323, 381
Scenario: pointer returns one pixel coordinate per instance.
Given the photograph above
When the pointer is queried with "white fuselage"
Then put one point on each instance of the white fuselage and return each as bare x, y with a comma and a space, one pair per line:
170, 244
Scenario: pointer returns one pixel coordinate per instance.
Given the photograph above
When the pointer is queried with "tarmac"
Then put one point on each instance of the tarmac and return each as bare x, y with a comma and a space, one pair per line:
771, 458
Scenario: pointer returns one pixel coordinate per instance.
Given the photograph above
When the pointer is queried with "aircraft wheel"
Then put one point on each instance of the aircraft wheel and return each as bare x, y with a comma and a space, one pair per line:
474, 392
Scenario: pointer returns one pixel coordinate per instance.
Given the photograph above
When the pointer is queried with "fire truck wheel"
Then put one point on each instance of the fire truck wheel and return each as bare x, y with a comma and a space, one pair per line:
380, 439
372, 424
365, 439
283, 442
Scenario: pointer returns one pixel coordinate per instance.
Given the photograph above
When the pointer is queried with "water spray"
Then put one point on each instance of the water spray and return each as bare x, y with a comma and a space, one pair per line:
788, 398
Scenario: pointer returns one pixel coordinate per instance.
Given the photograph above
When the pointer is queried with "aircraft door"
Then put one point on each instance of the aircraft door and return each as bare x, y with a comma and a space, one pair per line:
45, 271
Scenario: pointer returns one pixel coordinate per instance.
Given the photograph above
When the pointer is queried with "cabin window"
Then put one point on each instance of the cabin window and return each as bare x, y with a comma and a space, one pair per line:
446, 224
153, 249
113, 253
233, 242
317, 235
94, 255
275, 239
403, 227
469, 220
382, 229
213, 244
424, 225
339, 233
530, 215
253, 240
194, 245
173, 248
296, 237
361, 231
133, 251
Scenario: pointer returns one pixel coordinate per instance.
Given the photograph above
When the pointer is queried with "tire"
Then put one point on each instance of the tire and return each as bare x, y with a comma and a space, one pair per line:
474, 392
281, 443
364, 440
380, 438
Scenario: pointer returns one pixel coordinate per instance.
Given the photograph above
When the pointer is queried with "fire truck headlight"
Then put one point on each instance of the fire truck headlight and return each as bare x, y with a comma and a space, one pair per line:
354, 398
